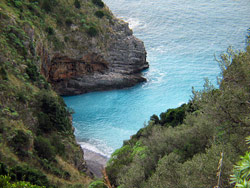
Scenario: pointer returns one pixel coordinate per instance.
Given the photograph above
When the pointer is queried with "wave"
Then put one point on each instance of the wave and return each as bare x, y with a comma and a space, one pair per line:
96, 146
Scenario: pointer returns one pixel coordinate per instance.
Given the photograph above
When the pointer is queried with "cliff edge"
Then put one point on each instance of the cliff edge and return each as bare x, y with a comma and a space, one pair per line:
96, 53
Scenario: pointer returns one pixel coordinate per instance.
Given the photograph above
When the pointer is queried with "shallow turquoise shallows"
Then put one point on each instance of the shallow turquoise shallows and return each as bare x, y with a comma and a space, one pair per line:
181, 38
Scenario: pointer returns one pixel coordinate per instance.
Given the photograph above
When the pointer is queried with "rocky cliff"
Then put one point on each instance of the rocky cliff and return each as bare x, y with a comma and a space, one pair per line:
88, 66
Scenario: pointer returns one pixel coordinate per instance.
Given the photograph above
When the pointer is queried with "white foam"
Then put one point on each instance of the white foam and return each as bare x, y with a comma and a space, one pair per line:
97, 147
134, 23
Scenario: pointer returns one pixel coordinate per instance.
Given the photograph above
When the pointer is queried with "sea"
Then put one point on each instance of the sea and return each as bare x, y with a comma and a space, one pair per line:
183, 39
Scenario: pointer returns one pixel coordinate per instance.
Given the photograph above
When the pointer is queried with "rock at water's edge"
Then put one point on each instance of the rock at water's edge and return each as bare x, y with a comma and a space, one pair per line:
117, 66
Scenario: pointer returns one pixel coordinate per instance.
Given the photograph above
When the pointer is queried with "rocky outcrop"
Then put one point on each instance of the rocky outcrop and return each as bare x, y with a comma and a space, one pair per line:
115, 65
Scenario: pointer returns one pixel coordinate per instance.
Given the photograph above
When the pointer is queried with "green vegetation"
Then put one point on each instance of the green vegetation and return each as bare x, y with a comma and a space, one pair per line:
99, 14
92, 31
5, 182
37, 144
97, 184
98, 3
196, 144
77, 4
241, 175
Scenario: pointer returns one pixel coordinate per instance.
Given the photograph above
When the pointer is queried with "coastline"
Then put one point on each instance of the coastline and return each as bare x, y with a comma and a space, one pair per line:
95, 162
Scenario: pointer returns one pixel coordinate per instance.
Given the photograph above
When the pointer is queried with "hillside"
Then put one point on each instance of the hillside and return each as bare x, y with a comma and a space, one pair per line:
73, 47
196, 144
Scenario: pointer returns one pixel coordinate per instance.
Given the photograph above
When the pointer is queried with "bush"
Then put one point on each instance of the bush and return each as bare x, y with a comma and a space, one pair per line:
54, 115
25, 173
50, 30
68, 22
92, 31
66, 39
16, 3
173, 117
48, 5
59, 146
22, 96
241, 171
3, 169
32, 72
97, 184
6, 183
99, 14
99, 3
44, 122
3, 73
44, 148
77, 4
21, 143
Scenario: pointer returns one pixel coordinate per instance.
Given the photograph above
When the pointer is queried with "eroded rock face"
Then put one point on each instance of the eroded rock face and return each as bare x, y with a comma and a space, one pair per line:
115, 65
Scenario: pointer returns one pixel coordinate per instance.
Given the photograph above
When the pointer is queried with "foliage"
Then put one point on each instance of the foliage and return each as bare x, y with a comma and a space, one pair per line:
50, 30
6, 183
32, 72
54, 115
25, 173
99, 14
77, 4
97, 184
21, 143
35, 126
68, 22
48, 5
44, 148
99, 3
92, 31
241, 175
182, 147
3, 73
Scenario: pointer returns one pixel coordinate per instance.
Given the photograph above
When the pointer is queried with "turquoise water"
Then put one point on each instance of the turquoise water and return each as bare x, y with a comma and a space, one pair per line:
181, 38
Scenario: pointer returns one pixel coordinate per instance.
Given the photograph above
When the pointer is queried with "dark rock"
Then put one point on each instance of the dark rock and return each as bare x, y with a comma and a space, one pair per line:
116, 64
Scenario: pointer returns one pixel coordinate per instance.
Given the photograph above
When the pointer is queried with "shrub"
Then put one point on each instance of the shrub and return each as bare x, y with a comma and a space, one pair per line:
54, 114
16, 3
3, 73
97, 184
99, 3
68, 22
155, 119
92, 31
26, 173
32, 72
77, 4
50, 30
99, 14
21, 96
44, 122
48, 5
59, 146
241, 171
173, 117
66, 39
44, 148
3, 169
6, 183
21, 143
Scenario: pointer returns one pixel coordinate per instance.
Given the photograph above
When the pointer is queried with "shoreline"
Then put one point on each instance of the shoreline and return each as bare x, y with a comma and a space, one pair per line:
95, 162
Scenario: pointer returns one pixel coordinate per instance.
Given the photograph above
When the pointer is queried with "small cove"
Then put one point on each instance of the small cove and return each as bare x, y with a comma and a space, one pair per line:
181, 39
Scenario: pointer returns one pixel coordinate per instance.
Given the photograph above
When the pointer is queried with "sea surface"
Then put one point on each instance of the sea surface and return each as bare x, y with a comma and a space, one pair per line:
182, 38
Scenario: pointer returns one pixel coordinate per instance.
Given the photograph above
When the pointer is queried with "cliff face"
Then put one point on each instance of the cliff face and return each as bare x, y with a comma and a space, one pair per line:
115, 64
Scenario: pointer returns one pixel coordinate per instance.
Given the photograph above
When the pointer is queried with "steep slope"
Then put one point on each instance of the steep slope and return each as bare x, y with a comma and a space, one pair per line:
196, 144
77, 46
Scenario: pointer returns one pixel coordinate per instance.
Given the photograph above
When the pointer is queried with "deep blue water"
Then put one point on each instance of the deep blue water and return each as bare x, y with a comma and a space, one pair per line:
181, 38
